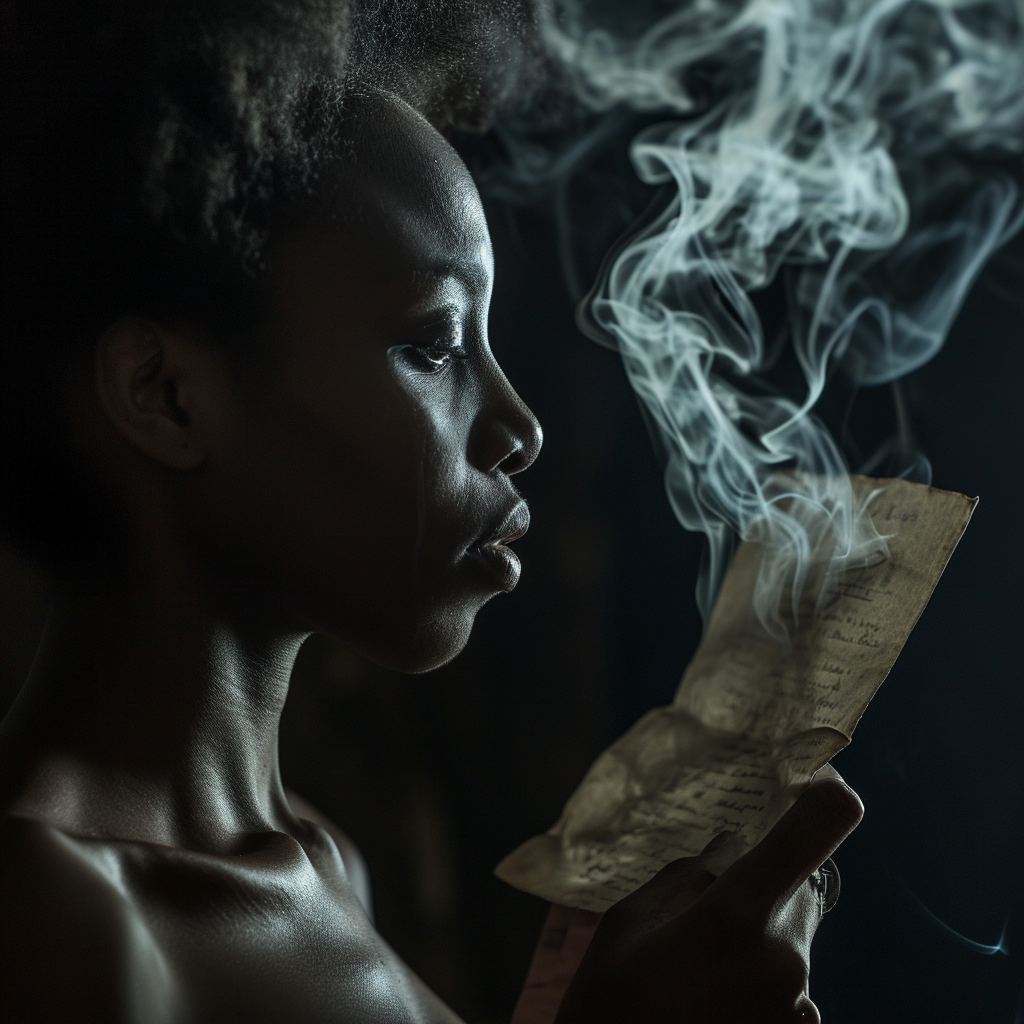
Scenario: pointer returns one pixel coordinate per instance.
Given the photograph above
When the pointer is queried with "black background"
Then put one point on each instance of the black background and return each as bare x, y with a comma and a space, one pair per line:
604, 622
437, 777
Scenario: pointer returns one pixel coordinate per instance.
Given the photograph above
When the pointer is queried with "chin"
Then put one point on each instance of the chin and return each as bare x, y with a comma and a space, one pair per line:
435, 641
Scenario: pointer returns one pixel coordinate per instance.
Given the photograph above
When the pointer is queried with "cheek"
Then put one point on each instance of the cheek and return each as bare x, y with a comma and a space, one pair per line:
356, 505
317, 490
355, 470
448, 509
442, 586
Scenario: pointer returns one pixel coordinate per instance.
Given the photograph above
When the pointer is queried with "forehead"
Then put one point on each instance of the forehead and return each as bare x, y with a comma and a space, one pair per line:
409, 195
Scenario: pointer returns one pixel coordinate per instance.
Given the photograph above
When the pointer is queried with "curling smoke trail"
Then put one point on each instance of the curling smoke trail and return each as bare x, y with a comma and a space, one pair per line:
857, 147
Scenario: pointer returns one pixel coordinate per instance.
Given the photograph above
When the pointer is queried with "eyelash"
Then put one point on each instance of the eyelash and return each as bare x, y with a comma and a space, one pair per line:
436, 355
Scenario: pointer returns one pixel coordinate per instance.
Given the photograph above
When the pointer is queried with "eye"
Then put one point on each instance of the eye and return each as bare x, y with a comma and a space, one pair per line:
437, 346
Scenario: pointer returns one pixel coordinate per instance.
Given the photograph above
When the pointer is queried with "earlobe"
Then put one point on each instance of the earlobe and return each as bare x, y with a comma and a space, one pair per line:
140, 376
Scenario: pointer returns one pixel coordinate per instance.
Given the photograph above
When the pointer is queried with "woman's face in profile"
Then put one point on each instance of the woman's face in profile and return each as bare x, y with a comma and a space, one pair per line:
366, 478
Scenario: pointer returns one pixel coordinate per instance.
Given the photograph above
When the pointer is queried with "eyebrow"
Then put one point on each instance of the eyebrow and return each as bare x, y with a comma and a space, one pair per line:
472, 273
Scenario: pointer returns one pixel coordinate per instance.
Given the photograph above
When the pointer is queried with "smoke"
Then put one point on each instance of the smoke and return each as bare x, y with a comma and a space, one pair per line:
862, 152
977, 947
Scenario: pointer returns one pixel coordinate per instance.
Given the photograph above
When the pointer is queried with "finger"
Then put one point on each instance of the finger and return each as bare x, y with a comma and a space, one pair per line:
798, 918
807, 1012
668, 893
802, 840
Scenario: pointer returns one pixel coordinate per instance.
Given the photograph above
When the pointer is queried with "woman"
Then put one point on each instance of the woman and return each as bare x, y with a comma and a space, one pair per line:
248, 397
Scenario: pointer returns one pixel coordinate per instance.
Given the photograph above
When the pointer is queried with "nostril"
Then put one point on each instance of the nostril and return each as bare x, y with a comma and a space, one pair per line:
515, 463
526, 451
505, 436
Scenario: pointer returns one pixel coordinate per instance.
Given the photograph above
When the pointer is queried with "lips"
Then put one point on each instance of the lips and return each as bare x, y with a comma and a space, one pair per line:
495, 555
512, 527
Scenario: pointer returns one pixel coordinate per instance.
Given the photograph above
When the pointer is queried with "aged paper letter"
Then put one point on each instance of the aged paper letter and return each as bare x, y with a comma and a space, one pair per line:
752, 719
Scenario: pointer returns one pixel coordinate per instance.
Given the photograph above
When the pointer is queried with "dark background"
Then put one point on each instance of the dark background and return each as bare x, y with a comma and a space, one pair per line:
438, 777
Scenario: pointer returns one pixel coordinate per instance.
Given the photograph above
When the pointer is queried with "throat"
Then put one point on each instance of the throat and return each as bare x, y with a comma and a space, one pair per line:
150, 717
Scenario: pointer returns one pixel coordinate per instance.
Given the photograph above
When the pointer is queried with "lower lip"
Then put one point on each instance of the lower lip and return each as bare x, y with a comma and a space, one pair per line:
502, 563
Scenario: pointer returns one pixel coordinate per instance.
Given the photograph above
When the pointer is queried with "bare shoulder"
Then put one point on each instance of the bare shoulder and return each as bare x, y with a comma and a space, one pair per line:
355, 866
74, 947
263, 936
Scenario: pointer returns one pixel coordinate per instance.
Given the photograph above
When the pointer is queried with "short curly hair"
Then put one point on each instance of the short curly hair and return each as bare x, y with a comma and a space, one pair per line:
147, 151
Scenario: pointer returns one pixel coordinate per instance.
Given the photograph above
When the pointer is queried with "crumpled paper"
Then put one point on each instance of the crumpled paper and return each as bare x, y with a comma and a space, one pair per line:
752, 721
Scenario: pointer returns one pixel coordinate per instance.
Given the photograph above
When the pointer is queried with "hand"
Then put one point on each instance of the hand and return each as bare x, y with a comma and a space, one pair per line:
687, 948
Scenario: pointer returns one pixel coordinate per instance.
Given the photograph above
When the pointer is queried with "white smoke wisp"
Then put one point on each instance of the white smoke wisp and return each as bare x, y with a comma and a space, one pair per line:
856, 146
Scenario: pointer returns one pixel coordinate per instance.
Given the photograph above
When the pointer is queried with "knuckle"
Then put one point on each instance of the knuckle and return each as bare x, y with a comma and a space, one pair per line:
792, 1011
806, 1012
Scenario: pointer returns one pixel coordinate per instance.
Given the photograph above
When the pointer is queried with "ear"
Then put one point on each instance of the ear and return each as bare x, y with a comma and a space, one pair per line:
146, 376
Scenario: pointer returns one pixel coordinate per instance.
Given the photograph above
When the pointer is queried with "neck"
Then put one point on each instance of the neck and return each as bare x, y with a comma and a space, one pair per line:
151, 714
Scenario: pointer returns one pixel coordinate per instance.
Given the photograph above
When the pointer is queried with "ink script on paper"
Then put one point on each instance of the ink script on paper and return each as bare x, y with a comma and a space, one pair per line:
752, 721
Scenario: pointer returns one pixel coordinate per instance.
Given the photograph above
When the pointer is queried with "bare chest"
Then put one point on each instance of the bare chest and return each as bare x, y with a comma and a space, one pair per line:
222, 941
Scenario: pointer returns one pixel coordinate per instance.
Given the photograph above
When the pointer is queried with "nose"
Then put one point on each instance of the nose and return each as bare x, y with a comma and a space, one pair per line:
506, 435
